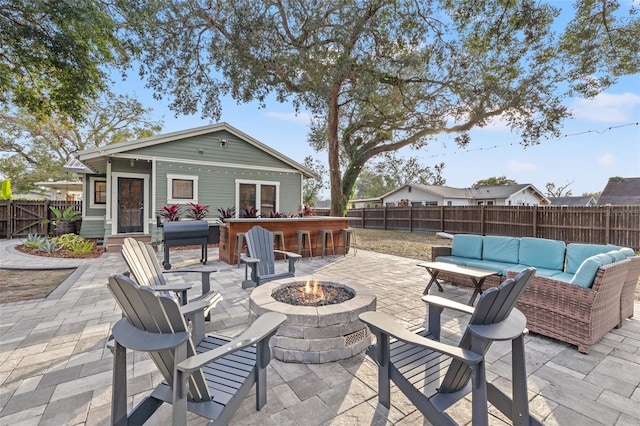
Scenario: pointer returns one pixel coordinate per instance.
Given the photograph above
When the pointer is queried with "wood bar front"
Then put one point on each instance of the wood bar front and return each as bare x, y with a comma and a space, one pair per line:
231, 227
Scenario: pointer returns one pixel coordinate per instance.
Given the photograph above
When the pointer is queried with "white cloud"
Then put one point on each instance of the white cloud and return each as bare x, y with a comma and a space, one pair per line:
607, 108
518, 166
607, 159
301, 117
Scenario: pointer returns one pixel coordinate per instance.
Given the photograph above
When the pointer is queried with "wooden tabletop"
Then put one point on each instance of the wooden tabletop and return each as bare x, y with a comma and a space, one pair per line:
457, 269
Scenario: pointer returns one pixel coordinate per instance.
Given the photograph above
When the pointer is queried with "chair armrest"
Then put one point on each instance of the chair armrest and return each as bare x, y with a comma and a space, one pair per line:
440, 251
172, 287
192, 307
386, 324
263, 327
249, 260
188, 269
441, 302
288, 254
508, 329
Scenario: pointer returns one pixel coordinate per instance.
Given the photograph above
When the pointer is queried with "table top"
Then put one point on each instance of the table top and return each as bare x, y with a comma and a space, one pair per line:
457, 269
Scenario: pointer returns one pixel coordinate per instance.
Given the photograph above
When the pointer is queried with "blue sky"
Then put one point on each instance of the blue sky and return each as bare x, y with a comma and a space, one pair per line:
601, 141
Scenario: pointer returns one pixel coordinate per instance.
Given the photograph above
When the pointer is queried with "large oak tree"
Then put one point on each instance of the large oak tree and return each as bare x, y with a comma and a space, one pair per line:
381, 75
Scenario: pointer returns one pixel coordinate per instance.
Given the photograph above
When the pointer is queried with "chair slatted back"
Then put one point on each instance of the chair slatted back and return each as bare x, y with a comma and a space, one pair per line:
154, 313
142, 262
260, 246
494, 306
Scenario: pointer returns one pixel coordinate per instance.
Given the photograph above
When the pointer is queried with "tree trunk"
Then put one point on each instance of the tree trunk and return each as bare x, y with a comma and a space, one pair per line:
338, 200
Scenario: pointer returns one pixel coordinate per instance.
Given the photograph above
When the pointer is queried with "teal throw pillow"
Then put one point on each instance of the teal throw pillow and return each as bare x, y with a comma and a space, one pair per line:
586, 273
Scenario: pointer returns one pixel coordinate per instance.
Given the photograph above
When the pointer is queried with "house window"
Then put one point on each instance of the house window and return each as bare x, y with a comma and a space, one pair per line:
430, 203
489, 203
449, 203
262, 196
182, 189
416, 203
97, 193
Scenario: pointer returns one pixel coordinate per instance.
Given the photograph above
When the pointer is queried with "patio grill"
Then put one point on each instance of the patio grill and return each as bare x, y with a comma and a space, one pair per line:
187, 233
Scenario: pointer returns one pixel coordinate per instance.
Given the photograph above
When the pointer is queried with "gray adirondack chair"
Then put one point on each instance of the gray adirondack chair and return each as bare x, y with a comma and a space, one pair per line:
435, 375
209, 376
147, 271
260, 257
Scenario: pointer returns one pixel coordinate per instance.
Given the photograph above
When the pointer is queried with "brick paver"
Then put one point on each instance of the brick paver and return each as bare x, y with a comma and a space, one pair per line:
55, 368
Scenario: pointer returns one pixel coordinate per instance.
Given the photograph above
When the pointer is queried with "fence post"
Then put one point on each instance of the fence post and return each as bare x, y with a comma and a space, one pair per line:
535, 221
482, 219
363, 215
441, 218
384, 217
607, 224
410, 218
10, 216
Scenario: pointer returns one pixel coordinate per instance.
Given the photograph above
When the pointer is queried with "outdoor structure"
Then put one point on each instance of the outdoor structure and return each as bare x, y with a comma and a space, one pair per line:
621, 192
126, 184
61, 190
413, 194
573, 201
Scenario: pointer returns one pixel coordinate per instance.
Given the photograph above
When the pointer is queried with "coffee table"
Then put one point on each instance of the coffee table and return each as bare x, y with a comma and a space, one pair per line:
477, 276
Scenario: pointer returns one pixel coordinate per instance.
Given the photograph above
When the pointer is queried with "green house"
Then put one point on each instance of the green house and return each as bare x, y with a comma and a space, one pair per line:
127, 184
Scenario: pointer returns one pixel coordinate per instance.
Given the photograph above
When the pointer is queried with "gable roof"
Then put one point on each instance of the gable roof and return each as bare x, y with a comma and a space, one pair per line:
122, 147
483, 193
621, 192
573, 201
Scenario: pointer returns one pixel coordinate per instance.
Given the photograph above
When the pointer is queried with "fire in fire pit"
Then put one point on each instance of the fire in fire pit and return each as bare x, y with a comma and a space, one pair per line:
312, 293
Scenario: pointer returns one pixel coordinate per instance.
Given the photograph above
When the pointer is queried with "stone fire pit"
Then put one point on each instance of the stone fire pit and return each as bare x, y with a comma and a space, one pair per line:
315, 334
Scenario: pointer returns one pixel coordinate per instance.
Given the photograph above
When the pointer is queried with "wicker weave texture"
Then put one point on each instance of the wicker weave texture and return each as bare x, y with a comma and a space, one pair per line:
576, 315
629, 289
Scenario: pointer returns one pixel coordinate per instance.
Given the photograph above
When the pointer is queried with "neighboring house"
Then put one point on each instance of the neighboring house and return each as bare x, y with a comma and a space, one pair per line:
127, 184
438, 195
62, 190
573, 201
621, 191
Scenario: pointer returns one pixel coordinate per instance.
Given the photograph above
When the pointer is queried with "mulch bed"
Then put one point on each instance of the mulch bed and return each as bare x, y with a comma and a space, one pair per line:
97, 251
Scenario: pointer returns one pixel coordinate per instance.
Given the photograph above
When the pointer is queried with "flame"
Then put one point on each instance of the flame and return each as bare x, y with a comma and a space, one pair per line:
313, 289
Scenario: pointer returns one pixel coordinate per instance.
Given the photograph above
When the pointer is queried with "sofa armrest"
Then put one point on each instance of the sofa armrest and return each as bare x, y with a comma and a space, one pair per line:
439, 251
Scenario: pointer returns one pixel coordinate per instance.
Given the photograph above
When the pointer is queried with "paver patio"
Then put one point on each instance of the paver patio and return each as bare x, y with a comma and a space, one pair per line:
55, 368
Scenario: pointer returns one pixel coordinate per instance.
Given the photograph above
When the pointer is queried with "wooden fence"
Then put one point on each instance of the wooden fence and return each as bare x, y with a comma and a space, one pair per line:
618, 225
20, 218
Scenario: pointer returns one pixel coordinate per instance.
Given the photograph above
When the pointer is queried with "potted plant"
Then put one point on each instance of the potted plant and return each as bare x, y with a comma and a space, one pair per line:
65, 221
249, 212
197, 211
170, 213
227, 213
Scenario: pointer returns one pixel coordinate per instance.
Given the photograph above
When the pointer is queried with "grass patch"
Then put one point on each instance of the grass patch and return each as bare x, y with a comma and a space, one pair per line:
21, 284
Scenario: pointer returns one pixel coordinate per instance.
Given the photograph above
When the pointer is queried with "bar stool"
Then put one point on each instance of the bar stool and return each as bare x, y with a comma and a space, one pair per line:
324, 235
349, 240
239, 248
301, 234
278, 242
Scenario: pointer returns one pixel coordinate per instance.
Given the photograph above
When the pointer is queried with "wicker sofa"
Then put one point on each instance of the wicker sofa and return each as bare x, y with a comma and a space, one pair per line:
580, 291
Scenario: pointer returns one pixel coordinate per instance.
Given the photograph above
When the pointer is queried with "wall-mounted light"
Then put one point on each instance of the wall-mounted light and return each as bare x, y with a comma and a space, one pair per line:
223, 143
200, 151
132, 163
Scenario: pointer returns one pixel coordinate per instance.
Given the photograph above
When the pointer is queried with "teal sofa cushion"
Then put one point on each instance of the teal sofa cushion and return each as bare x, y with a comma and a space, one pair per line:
501, 249
586, 273
627, 251
564, 277
617, 255
542, 253
499, 267
577, 253
541, 272
469, 246
456, 260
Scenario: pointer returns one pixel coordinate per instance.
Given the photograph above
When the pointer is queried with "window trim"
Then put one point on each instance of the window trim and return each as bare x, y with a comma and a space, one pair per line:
258, 184
92, 192
171, 178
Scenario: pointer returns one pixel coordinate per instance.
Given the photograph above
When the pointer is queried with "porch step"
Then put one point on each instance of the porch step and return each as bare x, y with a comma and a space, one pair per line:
114, 242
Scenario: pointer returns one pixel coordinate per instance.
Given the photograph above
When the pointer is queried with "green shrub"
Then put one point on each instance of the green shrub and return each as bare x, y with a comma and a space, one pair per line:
75, 244
49, 246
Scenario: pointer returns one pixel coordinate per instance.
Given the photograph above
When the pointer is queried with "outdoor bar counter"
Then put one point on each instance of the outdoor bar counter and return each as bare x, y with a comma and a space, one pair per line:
231, 227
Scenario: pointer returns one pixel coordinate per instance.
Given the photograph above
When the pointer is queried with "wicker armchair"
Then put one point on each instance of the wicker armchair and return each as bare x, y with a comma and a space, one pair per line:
576, 315
629, 289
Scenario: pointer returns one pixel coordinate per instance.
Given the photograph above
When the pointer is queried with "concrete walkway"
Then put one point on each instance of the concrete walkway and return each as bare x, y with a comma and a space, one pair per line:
56, 370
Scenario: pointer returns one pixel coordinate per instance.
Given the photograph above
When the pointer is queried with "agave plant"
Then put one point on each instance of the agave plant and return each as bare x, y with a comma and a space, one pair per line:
170, 213
34, 240
50, 246
197, 211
